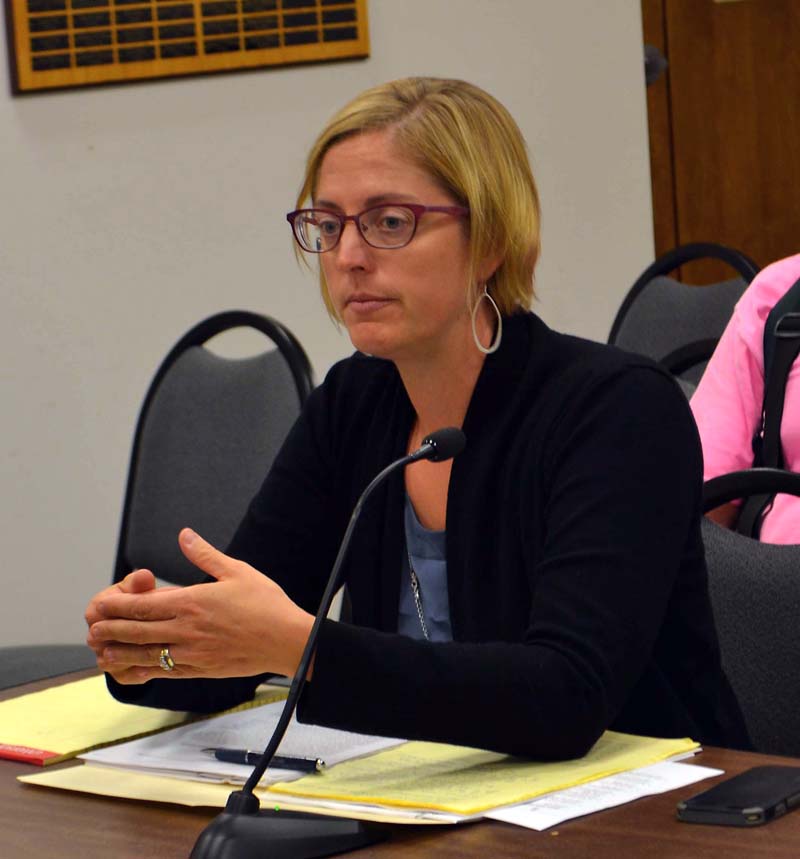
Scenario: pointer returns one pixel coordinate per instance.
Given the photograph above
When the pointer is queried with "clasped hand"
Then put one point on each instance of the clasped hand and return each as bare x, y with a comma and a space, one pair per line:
240, 625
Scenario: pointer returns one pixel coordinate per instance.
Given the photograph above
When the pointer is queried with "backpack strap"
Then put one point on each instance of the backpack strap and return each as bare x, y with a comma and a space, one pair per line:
781, 347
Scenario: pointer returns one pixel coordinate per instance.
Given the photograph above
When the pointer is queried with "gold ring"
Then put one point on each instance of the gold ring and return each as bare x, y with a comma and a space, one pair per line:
165, 659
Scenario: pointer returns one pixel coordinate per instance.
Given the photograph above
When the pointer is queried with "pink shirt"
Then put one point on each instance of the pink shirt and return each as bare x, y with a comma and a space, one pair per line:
728, 400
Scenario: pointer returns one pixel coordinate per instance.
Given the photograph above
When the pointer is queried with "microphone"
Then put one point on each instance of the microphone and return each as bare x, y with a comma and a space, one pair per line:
243, 831
441, 445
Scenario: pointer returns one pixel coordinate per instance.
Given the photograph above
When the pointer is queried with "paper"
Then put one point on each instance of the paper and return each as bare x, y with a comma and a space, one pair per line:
605, 793
180, 750
123, 784
468, 781
60, 722
410, 779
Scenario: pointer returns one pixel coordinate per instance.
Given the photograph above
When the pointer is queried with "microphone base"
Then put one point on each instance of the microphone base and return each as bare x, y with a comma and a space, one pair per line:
282, 835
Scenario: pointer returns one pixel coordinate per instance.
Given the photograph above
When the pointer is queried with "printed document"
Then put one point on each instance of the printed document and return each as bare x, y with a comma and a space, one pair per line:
608, 792
180, 751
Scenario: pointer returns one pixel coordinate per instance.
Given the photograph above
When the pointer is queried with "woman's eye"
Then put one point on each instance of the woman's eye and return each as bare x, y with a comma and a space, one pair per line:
392, 221
329, 227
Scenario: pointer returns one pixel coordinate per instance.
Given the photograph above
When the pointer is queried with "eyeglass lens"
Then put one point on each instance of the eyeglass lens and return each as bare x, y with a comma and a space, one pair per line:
382, 227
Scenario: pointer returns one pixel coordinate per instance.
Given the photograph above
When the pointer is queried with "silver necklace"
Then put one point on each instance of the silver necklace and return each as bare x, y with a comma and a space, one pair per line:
417, 596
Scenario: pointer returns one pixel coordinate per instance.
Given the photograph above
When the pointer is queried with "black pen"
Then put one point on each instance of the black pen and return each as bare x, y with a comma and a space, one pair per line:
243, 756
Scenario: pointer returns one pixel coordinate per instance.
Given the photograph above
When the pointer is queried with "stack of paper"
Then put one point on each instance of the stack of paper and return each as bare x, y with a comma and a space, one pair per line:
410, 782
436, 777
373, 778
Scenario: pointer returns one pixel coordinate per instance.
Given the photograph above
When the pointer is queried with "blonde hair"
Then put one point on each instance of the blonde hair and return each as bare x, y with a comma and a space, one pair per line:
469, 143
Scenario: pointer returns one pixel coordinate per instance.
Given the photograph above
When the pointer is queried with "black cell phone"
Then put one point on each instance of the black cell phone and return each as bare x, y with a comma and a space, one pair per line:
751, 798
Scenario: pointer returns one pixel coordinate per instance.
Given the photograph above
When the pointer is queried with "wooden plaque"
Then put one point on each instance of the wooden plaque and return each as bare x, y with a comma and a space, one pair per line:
68, 43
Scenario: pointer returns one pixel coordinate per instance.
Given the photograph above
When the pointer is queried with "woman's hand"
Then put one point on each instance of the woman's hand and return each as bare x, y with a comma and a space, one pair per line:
137, 582
242, 624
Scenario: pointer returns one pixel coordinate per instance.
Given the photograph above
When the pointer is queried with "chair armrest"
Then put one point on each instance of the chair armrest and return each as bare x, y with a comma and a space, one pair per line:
751, 481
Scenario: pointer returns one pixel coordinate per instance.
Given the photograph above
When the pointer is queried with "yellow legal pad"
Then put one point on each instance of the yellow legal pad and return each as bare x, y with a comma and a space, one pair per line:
62, 722
468, 781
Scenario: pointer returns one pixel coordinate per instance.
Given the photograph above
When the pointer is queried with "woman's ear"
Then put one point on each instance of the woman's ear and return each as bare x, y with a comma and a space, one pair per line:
489, 266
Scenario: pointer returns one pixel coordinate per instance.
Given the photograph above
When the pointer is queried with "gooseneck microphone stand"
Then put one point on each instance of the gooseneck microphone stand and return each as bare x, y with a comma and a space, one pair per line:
243, 830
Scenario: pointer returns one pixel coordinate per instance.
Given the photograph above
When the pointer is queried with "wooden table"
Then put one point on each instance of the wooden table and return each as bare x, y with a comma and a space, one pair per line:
51, 824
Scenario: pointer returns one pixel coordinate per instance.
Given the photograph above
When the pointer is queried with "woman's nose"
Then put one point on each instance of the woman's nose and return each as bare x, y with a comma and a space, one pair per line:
352, 250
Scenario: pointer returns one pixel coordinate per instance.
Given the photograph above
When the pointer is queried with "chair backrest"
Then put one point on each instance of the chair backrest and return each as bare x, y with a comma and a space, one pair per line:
207, 433
755, 595
675, 323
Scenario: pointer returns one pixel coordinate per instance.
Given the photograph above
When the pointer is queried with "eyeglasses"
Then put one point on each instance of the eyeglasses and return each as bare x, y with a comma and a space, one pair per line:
388, 226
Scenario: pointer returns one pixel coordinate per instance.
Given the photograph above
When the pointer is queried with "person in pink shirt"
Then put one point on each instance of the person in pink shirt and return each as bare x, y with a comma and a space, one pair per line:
727, 403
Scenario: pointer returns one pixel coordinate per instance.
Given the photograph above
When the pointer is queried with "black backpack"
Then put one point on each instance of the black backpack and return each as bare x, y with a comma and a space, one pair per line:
781, 346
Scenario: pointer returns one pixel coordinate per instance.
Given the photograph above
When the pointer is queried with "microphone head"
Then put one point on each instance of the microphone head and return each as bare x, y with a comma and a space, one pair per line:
444, 444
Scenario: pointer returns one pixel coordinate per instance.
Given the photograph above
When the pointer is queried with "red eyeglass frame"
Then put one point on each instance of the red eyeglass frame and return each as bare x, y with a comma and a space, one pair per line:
416, 208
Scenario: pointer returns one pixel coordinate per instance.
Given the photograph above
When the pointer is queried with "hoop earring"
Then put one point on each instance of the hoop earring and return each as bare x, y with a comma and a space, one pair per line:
499, 335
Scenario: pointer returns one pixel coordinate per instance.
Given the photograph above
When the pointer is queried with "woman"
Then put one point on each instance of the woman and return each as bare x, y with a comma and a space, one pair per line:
728, 401
563, 582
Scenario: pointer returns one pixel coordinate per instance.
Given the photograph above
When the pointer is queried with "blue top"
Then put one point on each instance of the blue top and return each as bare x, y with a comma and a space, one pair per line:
429, 557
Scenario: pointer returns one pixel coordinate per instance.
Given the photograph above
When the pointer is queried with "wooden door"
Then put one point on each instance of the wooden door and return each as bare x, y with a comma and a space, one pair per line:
725, 127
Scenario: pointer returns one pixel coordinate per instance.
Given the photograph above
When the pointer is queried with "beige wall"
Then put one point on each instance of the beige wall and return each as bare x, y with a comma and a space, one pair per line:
129, 213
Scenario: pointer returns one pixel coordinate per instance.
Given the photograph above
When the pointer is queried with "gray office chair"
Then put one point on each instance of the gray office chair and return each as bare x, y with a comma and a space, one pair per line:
26, 663
207, 433
755, 595
679, 324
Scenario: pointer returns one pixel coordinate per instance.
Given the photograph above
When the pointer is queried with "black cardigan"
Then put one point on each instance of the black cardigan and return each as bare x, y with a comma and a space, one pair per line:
576, 577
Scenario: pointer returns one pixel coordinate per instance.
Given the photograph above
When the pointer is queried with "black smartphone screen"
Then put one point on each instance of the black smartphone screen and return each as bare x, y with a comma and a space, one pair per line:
751, 798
